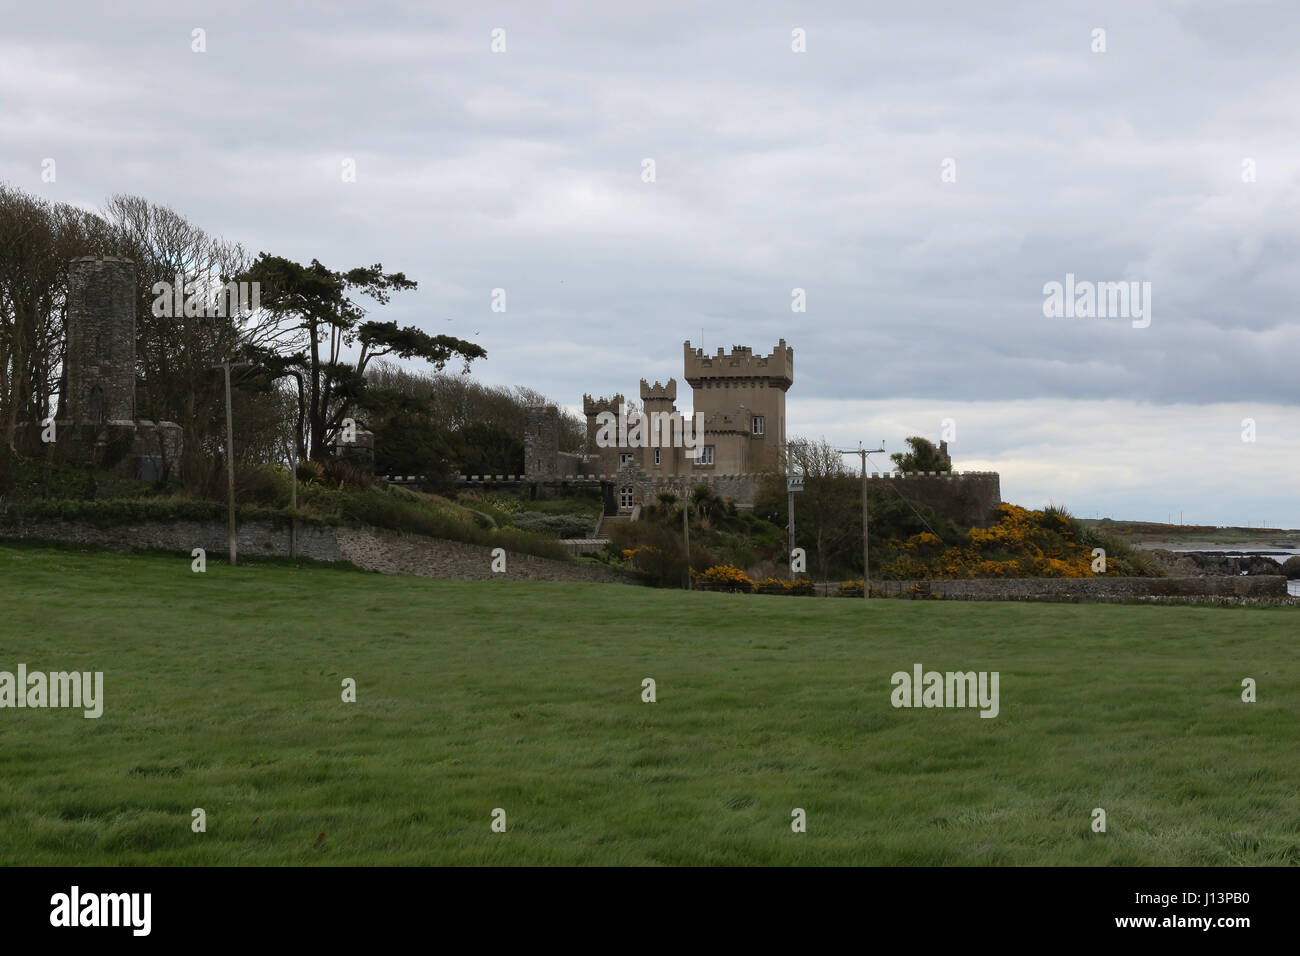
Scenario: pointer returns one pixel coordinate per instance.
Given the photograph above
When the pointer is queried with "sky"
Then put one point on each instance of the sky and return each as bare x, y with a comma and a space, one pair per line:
921, 171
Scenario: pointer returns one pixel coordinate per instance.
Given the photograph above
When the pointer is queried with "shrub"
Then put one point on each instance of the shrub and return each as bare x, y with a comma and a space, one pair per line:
723, 577
655, 550
512, 539
344, 474
553, 525
309, 471
1291, 567
802, 587
261, 484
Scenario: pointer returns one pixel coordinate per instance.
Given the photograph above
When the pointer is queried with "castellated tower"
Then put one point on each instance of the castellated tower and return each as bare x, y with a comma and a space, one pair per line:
742, 398
99, 364
606, 459
659, 405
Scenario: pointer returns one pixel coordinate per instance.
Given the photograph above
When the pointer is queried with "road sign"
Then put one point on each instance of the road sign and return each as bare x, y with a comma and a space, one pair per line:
794, 482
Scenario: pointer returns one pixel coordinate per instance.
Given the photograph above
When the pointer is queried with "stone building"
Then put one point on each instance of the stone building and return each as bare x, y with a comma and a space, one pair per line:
96, 419
738, 402
735, 430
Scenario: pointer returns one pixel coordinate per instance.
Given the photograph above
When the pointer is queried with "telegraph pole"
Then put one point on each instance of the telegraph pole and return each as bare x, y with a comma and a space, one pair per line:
790, 510
686, 535
230, 459
293, 499
793, 483
866, 568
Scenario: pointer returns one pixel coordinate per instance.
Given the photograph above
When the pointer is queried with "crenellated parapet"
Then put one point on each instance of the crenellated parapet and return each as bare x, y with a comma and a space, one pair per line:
594, 406
775, 370
659, 393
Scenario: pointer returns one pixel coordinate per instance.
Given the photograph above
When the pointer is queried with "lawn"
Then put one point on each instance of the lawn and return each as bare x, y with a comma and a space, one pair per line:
223, 691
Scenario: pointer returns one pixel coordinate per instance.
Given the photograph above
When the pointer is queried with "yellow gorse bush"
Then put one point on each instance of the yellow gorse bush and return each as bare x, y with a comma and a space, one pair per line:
1021, 544
724, 577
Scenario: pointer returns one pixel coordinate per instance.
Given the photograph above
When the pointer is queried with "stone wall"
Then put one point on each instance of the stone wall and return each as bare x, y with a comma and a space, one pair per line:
373, 549
317, 542
739, 488
967, 498
1262, 589
395, 552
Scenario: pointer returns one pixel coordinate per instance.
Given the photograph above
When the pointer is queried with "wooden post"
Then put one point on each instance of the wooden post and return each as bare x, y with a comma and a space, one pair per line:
686, 535
230, 464
293, 501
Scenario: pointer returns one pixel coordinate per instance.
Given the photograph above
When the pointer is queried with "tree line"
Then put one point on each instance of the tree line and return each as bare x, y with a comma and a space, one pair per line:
310, 353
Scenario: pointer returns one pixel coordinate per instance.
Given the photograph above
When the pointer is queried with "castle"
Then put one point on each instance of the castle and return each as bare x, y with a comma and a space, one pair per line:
736, 433
736, 430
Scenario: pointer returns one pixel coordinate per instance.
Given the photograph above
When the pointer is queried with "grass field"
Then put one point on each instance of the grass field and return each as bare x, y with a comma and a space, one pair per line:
222, 691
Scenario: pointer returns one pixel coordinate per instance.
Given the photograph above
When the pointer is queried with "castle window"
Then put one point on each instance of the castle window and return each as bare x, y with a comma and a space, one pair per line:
625, 496
758, 424
626, 458
705, 457
658, 458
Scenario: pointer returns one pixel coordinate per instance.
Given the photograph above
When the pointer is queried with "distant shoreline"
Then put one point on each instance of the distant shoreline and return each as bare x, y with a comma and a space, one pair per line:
1218, 547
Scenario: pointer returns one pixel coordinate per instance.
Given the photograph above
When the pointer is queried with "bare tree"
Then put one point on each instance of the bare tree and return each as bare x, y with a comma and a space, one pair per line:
826, 508
178, 262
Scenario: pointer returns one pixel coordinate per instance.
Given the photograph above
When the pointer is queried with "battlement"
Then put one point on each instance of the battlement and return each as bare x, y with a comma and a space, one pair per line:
594, 406
775, 370
657, 392
933, 474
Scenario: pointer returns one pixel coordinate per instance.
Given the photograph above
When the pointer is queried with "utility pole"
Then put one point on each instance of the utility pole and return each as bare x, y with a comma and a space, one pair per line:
793, 483
230, 459
293, 499
790, 510
686, 535
866, 568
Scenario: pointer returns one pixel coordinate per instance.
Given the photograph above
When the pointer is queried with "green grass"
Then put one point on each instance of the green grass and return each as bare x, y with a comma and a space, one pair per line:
223, 692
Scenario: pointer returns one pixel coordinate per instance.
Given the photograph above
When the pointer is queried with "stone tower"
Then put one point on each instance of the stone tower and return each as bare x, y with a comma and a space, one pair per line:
99, 364
742, 398
542, 440
96, 420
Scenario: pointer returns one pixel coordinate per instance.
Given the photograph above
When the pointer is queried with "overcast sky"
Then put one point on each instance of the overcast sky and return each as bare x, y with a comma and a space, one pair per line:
1173, 157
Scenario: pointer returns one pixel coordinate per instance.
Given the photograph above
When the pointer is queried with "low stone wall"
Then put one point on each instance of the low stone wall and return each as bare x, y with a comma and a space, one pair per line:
388, 552
1252, 589
253, 537
396, 552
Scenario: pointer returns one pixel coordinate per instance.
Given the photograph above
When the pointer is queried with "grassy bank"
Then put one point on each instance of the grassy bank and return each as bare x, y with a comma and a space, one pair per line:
222, 691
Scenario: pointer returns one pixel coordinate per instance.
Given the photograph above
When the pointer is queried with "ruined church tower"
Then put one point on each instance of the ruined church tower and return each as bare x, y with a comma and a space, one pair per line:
99, 365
